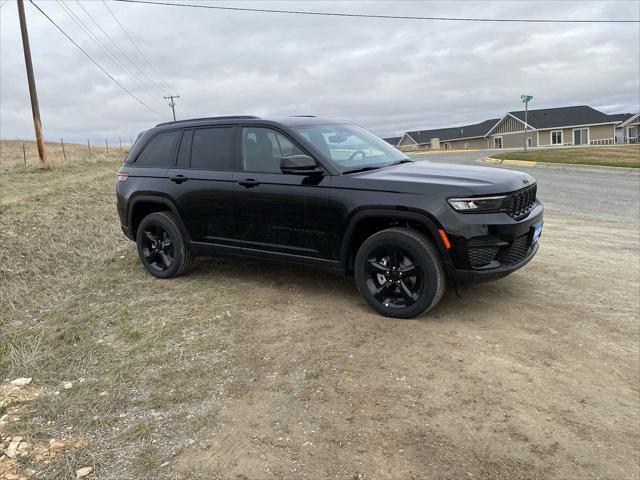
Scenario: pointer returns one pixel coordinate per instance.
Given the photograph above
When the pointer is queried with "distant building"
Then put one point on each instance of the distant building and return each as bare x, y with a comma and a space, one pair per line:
549, 127
452, 138
393, 140
620, 118
553, 127
629, 128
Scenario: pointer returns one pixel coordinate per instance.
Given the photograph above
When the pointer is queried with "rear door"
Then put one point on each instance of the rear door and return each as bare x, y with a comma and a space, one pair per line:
278, 213
202, 185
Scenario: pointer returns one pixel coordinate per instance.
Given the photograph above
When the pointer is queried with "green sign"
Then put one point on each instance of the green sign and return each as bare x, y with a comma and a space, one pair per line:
526, 98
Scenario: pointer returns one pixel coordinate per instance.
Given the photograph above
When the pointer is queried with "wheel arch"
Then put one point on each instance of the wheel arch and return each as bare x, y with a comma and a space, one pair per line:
142, 205
365, 223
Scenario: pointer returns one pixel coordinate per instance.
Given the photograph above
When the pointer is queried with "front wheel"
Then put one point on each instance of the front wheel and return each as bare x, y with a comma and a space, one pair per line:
399, 273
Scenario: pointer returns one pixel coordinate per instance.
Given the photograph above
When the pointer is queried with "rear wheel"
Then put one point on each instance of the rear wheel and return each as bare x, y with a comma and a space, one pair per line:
399, 273
161, 246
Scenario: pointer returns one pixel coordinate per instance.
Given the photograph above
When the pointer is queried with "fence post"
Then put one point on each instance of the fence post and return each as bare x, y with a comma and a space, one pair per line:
89, 147
24, 155
106, 145
120, 140
64, 155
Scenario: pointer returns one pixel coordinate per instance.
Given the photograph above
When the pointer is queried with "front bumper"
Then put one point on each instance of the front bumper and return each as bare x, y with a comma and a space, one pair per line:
491, 246
460, 276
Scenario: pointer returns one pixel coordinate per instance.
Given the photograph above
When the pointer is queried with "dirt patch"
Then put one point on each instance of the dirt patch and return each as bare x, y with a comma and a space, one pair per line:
245, 369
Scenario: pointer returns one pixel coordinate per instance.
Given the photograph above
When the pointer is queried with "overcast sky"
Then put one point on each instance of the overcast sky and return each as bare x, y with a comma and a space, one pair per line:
387, 75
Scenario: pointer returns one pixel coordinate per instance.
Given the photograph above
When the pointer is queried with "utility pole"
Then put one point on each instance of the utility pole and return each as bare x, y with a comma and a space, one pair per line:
35, 108
172, 104
526, 99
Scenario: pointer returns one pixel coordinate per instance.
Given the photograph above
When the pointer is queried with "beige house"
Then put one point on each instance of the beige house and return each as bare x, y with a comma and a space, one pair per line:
549, 127
553, 127
465, 137
629, 129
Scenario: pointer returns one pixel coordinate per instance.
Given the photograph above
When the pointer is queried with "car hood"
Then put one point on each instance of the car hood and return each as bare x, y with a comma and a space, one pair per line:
465, 179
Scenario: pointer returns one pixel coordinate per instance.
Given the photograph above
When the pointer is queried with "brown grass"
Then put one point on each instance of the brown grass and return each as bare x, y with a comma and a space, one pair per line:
611, 156
250, 370
12, 156
75, 304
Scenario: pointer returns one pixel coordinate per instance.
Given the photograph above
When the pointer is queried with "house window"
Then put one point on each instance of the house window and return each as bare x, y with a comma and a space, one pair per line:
529, 142
581, 136
556, 137
633, 132
497, 142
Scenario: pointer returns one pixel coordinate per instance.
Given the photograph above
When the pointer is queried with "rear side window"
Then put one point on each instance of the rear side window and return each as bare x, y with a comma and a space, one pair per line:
212, 148
160, 151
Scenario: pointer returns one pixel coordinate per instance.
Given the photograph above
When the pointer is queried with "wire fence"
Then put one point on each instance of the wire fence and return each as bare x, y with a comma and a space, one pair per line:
16, 153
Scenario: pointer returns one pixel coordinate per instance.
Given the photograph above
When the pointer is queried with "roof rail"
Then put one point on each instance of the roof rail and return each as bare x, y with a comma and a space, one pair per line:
227, 117
306, 116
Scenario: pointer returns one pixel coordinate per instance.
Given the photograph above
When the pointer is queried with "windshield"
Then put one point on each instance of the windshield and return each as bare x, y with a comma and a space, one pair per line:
350, 146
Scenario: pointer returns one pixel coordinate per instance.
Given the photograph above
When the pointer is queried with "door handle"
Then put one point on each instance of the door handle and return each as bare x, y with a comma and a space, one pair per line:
178, 179
249, 183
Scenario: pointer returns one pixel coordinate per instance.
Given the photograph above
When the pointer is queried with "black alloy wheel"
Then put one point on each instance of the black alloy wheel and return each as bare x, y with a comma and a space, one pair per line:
162, 247
399, 272
393, 277
157, 248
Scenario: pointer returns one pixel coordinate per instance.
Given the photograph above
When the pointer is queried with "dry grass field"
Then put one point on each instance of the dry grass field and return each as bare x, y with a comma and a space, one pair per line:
252, 370
12, 155
611, 156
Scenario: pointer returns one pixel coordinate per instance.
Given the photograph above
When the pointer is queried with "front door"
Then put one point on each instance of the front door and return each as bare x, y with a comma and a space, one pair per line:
277, 212
497, 142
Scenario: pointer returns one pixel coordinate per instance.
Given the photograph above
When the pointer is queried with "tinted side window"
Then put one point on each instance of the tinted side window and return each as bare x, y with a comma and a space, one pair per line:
160, 151
212, 148
263, 149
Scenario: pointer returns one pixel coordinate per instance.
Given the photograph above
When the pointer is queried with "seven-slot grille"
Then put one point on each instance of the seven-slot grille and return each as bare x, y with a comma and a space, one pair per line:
520, 203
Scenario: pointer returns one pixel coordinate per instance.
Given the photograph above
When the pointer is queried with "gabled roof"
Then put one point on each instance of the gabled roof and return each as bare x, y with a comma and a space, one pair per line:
620, 117
563, 117
392, 140
475, 130
629, 120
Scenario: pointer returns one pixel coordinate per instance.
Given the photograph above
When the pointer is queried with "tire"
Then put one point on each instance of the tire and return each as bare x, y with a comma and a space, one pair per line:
399, 273
162, 247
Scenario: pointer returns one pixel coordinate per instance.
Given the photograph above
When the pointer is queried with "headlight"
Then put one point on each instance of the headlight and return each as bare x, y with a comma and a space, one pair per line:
478, 204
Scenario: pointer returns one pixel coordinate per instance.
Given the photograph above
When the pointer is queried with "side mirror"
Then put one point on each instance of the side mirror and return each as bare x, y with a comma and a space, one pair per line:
299, 165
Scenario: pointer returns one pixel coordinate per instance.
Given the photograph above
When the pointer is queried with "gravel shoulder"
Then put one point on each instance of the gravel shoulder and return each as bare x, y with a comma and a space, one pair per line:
247, 369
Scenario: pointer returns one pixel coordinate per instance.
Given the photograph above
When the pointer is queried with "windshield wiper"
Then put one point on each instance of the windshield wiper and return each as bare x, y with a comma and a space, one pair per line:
404, 160
363, 169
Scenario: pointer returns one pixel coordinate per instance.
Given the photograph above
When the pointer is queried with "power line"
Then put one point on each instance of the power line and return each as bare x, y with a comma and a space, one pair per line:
124, 54
142, 55
94, 38
133, 42
363, 15
96, 63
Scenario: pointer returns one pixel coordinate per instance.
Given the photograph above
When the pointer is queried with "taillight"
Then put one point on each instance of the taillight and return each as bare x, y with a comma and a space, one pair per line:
122, 177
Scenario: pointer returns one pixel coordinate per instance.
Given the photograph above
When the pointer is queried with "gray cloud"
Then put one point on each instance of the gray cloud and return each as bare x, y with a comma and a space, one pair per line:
387, 75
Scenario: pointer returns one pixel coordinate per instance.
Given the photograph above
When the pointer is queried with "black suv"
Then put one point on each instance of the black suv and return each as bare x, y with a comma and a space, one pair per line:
324, 193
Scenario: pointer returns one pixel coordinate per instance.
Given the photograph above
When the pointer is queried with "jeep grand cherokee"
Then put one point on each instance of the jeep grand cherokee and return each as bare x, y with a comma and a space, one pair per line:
324, 193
